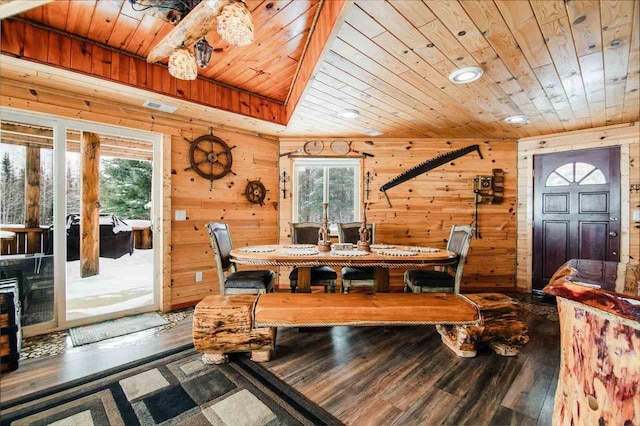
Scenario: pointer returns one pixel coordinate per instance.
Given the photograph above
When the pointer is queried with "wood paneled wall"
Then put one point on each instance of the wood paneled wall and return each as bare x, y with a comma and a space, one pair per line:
32, 43
627, 136
255, 157
425, 208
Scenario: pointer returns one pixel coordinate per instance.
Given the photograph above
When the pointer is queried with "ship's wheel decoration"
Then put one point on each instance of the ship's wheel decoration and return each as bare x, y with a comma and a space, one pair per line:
210, 157
255, 192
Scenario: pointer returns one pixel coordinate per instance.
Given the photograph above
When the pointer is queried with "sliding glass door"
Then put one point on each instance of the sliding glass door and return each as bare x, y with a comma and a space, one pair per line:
79, 202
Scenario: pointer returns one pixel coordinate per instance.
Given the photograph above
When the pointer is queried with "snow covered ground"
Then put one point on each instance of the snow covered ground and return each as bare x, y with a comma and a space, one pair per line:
122, 284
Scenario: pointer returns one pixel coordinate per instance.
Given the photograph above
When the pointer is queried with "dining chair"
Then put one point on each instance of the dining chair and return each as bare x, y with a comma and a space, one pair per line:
237, 282
360, 277
428, 281
307, 233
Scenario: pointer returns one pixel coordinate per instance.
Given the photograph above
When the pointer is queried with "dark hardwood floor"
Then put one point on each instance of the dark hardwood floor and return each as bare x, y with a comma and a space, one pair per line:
395, 375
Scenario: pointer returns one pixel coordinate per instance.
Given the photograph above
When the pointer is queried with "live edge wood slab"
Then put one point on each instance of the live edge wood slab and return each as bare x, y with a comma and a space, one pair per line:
248, 323
599, 310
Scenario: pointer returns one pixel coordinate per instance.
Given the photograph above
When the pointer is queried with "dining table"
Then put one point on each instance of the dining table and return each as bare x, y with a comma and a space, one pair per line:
382, 257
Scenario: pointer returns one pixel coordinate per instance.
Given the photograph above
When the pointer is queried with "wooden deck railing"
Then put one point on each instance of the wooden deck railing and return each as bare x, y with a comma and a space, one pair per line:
26, 241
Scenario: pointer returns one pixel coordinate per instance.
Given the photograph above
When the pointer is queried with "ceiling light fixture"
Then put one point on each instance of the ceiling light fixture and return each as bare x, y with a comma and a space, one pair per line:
370, 132
203, 51
516, 119
466, 75
235, 24
349, 113
182, 64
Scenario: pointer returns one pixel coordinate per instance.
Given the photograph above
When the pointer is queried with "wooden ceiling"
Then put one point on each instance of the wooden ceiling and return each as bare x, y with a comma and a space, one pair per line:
266, 67
566, 64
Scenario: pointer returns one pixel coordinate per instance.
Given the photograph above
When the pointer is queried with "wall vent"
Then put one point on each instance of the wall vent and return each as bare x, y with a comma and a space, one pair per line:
160, 107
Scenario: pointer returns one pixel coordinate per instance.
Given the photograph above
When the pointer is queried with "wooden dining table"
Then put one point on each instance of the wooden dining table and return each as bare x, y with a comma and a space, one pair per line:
381, 260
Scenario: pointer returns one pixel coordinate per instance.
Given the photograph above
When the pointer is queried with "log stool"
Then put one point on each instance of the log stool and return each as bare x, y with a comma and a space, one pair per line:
224, 324
502, 328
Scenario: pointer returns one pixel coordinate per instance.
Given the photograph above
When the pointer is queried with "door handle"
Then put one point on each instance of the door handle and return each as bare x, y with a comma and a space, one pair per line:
613, 234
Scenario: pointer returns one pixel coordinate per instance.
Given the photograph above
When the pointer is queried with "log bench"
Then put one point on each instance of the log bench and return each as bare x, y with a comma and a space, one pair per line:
248, 323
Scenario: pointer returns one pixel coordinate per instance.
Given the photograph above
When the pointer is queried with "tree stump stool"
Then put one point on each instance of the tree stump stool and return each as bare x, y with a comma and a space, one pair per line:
223, 324
502, 328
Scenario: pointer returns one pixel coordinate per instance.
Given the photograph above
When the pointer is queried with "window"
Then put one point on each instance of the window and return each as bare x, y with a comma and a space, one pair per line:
334, 181
580, 173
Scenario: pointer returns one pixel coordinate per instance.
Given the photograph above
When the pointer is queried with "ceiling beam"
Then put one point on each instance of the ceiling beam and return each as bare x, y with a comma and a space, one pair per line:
199, 22
331, 17
16, 7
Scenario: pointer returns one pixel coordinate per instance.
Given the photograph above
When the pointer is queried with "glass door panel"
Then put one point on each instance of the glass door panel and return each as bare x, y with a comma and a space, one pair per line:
110, 253
26, 218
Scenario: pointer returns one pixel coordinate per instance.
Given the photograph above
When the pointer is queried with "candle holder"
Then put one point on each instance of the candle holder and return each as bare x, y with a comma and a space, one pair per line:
324, 241
364, 243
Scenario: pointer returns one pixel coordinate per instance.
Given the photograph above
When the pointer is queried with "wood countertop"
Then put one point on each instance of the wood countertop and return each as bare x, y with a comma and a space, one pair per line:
609, 286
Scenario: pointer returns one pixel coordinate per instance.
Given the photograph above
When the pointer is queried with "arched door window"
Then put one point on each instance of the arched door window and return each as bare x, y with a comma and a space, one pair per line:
576, 173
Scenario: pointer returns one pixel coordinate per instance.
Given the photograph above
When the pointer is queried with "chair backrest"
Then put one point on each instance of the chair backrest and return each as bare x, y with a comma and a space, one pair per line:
222, 246
305, 232
348, 232
459, 242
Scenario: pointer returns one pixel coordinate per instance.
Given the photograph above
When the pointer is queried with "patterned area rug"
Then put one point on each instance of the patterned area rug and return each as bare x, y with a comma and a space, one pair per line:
113, 328
175, 389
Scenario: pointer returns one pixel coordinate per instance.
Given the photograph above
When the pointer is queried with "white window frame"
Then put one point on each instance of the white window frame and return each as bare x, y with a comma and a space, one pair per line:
328, 163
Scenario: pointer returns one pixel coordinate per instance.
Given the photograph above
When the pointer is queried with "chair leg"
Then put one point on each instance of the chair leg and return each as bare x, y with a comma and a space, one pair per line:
333, 286
326, 288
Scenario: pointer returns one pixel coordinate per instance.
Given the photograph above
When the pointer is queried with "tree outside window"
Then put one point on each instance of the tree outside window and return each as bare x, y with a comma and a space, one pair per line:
335, 181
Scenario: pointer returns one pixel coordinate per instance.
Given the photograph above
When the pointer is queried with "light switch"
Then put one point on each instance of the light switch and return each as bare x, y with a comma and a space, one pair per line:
636, 215
181, 215
198, 276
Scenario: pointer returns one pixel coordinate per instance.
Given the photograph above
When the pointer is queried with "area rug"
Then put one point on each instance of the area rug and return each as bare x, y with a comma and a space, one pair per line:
176, 389
113, 328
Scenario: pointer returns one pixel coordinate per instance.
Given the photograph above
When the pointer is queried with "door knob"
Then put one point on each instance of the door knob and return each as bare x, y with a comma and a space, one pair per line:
613, 234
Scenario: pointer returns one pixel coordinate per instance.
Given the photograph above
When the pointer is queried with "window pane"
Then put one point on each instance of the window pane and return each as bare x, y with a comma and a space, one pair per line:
309, 189
595, 178
566, 171
582, 169
342, 194
555, 179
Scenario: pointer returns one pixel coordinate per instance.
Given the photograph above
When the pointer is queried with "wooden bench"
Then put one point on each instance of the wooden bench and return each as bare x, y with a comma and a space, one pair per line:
248, 323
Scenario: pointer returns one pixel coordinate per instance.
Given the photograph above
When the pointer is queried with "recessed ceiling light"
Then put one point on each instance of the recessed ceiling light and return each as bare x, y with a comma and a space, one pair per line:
349, 113
516, 119
466, 75
371, 132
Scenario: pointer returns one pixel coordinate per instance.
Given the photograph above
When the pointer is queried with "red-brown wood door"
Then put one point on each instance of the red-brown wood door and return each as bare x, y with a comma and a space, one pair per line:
576, 209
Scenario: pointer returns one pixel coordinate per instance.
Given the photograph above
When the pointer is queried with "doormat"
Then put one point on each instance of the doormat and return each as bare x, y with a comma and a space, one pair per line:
175, 388
114, 328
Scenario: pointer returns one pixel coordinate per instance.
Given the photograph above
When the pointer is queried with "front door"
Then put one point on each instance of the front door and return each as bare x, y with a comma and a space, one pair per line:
576, 209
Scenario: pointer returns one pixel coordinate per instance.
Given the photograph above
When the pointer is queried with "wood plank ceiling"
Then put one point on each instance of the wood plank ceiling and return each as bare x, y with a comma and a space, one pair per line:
266, 67
566, 64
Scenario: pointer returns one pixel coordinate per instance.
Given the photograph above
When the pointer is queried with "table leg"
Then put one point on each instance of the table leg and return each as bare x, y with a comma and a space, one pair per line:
304, 280
381, 280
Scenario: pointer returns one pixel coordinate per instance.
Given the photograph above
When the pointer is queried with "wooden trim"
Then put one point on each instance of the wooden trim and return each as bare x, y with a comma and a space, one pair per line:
330, 19
16, 7
165, 223
25, 40
621, 135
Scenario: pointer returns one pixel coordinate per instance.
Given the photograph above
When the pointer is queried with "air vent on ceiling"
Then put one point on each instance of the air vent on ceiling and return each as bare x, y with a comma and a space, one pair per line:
371, 132
160, 107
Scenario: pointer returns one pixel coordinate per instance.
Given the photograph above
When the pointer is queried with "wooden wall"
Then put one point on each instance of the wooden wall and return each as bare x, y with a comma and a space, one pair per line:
627, 136
255, 157
425, 208
83, 56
